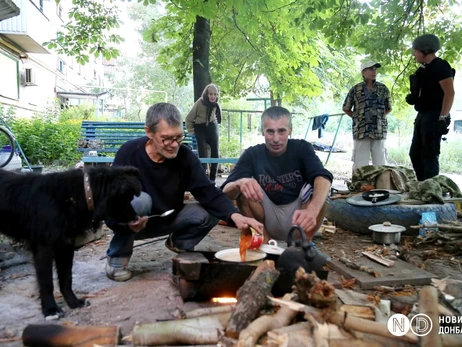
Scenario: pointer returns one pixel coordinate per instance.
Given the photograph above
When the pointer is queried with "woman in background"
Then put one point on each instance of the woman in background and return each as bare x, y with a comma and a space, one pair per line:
202, 121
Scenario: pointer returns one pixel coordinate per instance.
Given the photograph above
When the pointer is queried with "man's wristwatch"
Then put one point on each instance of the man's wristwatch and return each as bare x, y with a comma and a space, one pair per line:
443, 117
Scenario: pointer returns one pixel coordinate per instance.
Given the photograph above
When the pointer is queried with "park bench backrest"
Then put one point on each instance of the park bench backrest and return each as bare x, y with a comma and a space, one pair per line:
112, 135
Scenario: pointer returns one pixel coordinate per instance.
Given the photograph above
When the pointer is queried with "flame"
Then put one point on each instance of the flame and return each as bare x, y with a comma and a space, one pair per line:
224, 300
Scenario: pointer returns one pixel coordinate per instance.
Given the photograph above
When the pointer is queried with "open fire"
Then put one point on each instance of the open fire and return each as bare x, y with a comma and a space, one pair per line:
224, 300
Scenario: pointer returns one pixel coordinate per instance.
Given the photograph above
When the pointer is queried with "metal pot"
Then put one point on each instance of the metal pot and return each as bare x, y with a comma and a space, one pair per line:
386, 233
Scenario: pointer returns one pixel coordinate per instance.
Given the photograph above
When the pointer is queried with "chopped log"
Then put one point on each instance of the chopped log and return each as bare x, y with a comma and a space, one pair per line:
208, 311
452, 340
348, 322
315, 312
356, 266
251, 297
442, 227
295, 335
250, 335
379, 259
312, 291
54, 335
290, 329
320, 332
364, 312
353, 342
301, 338
203, 330
411, 259
428, 304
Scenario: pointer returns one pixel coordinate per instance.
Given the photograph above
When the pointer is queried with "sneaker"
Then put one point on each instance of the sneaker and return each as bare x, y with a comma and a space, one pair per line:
169, 244
116, 269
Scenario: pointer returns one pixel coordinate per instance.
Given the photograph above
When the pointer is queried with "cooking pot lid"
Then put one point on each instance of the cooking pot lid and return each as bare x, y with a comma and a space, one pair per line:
387, 228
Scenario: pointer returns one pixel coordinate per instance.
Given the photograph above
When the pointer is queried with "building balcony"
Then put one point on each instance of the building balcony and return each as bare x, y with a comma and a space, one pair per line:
8, 9
28, 30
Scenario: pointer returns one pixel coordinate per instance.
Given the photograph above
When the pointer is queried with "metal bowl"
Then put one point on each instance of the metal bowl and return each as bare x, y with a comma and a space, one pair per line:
386, 233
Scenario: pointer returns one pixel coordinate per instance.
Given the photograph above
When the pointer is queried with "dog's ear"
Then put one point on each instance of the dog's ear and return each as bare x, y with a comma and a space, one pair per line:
130, 170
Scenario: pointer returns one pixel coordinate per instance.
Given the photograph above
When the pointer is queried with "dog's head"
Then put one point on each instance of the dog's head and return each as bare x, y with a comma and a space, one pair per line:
113, 189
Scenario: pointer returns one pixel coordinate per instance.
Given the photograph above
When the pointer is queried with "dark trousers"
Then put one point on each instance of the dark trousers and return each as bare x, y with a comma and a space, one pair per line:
208, 135
188, 227
425, 146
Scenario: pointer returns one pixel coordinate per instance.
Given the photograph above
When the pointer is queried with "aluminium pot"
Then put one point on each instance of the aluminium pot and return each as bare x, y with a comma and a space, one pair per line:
386, 233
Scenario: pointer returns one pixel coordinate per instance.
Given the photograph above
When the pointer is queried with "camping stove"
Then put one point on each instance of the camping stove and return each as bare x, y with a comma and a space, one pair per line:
199, 276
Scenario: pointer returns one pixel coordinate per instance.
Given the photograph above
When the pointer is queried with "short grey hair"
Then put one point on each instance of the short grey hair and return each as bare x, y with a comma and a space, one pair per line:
163, 110
275, 113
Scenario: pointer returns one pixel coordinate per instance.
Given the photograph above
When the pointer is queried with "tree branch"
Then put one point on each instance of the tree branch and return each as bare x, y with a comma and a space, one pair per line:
242, 32
280, 8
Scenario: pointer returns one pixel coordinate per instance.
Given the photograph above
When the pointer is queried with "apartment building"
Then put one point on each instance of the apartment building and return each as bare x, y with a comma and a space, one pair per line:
32, 76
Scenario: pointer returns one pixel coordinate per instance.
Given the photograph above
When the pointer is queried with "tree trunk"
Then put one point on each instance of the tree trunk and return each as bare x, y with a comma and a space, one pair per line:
251, 297
201, 55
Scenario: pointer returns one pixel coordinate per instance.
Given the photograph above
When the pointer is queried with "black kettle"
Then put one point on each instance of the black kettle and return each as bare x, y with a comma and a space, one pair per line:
303, 254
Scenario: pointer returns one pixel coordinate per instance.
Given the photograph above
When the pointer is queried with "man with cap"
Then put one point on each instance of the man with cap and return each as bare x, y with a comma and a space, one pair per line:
368, 104
432, 94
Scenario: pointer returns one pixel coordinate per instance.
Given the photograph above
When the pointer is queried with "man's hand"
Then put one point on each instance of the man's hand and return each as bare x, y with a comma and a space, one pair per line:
243, 222
306, 219
139, 224
250, 188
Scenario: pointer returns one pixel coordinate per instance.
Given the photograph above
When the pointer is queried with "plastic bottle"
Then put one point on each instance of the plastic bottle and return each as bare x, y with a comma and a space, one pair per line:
15, 164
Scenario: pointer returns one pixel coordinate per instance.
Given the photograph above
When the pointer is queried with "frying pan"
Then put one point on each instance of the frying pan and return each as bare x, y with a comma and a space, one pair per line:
376, 195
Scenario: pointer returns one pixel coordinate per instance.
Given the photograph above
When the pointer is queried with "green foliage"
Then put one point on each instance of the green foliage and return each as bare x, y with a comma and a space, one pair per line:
89, 31
78, 113
303, 49
50, 137
46, 141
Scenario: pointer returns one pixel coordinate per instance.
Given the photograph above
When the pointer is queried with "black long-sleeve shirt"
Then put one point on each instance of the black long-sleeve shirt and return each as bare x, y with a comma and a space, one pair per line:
281, 177
167, 182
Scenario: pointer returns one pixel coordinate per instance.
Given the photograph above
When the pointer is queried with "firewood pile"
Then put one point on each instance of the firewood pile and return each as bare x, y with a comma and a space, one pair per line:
448, 235
312, 315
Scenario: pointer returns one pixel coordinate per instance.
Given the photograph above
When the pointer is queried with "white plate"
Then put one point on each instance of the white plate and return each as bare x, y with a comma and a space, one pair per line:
270, 249
233, 255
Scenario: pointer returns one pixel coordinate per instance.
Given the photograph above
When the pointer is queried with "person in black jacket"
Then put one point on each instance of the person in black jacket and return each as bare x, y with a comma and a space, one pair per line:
168, 169
432, 94
282, 182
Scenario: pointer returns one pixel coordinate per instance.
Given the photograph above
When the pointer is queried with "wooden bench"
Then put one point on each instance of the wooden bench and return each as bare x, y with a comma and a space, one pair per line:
109, 136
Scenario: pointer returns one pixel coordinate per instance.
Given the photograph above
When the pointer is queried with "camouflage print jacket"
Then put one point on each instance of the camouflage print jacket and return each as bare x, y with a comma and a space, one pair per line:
431, 190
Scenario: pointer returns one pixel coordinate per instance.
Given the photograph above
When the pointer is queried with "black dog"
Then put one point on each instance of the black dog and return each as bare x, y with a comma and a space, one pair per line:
48, 211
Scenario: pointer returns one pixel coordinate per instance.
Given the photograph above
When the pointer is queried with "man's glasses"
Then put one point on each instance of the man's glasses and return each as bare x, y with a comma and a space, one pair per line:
169, 141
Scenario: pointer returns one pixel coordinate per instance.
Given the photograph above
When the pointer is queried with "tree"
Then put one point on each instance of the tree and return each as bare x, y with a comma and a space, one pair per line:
302, 48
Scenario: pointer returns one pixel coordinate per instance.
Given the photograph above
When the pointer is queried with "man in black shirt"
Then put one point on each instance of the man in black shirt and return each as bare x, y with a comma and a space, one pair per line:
432, 94
271, 182
167, 170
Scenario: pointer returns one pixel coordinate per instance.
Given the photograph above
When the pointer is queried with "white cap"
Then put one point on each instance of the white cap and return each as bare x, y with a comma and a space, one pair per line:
369, 63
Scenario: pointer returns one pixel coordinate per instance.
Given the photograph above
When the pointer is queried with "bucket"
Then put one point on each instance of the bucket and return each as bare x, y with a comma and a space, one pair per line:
14, 165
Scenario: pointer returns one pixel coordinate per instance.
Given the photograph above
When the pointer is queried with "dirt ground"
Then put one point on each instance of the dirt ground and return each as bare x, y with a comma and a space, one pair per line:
151, 294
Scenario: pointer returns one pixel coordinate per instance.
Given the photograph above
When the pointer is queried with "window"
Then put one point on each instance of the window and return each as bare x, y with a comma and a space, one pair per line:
61, 66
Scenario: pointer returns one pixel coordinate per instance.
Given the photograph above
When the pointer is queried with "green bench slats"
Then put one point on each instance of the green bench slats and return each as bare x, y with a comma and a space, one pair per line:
115, 134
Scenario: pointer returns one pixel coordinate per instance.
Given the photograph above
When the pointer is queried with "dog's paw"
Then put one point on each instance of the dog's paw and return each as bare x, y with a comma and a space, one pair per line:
54, 313
77, 303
